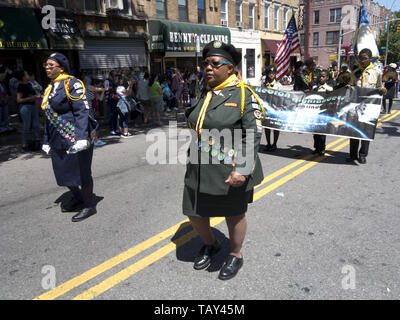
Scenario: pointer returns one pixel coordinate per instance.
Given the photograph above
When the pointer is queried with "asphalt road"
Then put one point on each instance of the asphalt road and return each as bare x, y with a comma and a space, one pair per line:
320, 228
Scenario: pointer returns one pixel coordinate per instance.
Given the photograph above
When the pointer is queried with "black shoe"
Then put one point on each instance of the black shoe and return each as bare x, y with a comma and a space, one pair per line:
350, 159
71, 206
230, 268
83, 214
362, 160
273, 148
267, 147
206, 253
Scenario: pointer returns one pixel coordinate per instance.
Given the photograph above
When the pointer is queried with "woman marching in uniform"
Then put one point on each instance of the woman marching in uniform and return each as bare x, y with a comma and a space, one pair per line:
220, 180
66, 135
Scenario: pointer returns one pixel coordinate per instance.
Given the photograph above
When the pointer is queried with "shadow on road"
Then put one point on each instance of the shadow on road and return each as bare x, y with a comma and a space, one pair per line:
187, 252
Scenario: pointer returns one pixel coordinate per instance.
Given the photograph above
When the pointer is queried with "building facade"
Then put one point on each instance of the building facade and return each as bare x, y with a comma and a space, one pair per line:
103, 35
325, 19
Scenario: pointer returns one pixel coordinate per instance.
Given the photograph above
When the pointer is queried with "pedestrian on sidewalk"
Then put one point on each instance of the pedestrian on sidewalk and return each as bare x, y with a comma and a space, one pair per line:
156, 98
68, 134
224, 184
124, 90
26, 97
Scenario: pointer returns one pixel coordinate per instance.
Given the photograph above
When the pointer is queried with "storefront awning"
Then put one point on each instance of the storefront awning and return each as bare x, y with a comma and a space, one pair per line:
272, 46
20, 29
65, 34
181, 37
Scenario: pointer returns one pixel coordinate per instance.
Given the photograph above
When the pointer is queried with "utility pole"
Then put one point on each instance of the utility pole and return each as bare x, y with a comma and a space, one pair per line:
387, 40
307, 33
340, 43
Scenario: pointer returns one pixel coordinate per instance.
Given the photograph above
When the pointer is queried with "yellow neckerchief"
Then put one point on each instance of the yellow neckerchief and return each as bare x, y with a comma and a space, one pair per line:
370, 66
309, 76
271, 84
60, 78
233, 80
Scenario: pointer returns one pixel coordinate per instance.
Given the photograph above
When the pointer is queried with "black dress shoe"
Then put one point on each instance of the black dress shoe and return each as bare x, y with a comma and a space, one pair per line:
230, 268
362, 160
71, 206
206, 253
273, 148
83, 214
350, 159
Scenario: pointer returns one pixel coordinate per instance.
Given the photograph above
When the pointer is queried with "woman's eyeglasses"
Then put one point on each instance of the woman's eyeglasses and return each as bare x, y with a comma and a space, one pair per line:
214, 64
50, 65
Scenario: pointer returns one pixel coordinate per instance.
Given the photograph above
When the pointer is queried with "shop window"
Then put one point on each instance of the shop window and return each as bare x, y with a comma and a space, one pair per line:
250, 63
201, 12
56, 3
182, 8
160, 9
92, 5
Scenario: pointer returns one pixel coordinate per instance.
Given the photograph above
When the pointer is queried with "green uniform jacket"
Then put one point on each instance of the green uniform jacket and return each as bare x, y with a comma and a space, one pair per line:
217, 157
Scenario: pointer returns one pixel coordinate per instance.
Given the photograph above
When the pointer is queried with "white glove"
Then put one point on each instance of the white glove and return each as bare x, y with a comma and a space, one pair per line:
78, 146
46, 148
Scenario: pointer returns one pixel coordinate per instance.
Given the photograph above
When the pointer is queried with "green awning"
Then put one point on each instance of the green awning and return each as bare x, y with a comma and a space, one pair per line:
20, 29
181, 37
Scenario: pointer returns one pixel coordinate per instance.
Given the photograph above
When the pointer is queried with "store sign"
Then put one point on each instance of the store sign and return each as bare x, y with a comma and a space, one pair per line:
184, 37
20, 45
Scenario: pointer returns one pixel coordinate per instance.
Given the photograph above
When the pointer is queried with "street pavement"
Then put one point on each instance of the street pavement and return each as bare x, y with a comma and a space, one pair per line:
320, 228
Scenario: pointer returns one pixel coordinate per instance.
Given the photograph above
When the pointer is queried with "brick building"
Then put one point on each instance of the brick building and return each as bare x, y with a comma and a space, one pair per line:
325, 19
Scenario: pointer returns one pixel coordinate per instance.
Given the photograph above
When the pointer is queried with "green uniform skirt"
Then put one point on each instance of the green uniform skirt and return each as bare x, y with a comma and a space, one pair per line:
207, 205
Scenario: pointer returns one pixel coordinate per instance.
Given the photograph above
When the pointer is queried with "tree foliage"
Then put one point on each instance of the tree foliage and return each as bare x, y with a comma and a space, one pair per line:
394, 40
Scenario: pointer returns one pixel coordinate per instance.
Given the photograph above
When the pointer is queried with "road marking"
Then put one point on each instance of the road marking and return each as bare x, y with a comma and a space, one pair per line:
141, 264
86, 276
160, 253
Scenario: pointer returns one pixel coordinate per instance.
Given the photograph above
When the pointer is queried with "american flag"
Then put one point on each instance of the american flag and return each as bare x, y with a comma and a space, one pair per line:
290, 42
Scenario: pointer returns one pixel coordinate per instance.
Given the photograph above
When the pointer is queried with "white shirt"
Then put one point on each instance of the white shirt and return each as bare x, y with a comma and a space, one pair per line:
119, 91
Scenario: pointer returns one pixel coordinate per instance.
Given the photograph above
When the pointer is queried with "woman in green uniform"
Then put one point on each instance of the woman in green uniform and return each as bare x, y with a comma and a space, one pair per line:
221, 174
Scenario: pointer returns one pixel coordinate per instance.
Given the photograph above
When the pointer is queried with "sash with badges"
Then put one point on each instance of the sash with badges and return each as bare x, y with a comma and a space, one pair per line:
63, 127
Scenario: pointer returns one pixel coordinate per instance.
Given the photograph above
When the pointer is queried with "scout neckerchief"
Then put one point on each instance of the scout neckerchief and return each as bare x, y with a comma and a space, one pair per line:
230, 82
370, 66
66, 129
271, 85
308, 77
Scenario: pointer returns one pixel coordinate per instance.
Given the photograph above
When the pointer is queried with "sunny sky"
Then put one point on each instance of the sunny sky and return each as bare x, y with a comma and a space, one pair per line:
388, 4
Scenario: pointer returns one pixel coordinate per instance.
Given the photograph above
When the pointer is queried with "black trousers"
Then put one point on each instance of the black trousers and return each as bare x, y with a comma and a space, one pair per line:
390, 104
268, 135
354, 152
319, 142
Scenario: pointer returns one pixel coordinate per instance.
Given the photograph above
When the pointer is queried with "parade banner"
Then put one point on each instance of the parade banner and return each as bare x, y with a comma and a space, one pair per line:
351, 113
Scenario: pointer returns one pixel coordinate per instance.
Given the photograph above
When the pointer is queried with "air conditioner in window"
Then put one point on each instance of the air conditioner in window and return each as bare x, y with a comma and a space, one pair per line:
224, 23
239, 24
114, 4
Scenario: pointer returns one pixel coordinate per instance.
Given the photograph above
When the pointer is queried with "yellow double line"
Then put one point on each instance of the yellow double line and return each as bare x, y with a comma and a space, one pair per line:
127, 272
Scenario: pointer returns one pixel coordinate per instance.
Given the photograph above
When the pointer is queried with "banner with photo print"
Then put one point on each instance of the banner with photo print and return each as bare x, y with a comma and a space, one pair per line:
351, 113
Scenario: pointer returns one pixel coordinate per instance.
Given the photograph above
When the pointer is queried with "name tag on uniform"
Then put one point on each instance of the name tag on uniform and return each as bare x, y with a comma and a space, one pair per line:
230, 104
